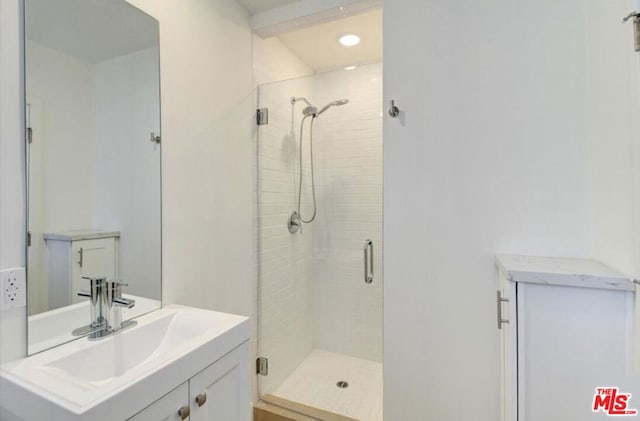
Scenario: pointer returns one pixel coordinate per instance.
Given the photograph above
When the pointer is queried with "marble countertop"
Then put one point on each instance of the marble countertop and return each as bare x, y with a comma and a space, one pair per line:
564, 271
76, 235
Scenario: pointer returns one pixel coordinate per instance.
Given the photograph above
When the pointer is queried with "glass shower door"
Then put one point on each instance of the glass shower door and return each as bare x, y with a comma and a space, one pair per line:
320, 287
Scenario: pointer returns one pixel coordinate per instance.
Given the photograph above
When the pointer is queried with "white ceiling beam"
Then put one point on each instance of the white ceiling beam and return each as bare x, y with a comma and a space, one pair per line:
305, 13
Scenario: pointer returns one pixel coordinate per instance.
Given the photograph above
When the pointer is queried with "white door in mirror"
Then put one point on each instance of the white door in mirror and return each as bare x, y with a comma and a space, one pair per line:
14, 288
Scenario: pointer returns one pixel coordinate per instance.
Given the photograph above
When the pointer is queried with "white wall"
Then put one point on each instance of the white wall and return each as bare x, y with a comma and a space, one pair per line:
58, 91
348, 155
489, 155
614, 89
207, 111
62, 85
126, 109
273, 61
13, 323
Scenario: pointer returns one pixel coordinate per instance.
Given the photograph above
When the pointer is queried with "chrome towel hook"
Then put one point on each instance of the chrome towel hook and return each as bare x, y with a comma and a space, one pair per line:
393, 110
636, 27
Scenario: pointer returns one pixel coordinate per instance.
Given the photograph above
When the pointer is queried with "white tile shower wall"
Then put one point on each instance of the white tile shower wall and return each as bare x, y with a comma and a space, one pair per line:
348, 145
285, 259
311, 290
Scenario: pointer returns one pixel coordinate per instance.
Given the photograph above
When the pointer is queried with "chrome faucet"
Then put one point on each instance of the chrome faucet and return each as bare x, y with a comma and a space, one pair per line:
96, 297
114, 304
106, 303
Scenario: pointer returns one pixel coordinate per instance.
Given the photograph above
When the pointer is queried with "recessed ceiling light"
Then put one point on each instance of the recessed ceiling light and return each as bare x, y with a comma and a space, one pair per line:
349, 40
349, 67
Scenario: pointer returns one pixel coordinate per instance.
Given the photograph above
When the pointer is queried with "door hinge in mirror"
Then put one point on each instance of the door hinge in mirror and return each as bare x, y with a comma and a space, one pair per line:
262, 116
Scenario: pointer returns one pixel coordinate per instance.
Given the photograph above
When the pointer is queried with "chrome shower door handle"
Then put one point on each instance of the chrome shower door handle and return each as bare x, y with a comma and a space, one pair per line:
368, 261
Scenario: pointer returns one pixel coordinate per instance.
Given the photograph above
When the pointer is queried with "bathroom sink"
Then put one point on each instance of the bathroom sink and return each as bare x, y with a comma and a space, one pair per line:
91, 378
55, 327
130, 350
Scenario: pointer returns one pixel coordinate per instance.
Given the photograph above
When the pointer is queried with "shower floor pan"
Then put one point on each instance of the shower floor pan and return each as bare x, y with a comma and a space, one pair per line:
317, 388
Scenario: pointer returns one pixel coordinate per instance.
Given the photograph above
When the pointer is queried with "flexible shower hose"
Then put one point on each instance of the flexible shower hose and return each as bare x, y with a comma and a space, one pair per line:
313, 183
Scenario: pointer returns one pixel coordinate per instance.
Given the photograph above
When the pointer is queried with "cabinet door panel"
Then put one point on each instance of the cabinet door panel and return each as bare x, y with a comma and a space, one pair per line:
92, 258
165, 408
226, 386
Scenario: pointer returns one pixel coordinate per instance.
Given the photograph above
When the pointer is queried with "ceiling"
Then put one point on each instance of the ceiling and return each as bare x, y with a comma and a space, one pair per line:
257, 6
318, 45
91, 30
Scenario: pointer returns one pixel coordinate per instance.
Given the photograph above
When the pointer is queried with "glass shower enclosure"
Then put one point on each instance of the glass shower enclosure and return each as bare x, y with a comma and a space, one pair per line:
320, 283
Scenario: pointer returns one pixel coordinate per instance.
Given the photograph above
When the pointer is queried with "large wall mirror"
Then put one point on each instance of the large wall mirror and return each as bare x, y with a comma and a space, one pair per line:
92, 89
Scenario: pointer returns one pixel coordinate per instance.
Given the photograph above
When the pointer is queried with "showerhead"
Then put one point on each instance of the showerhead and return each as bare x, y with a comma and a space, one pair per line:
333, 104
310, 111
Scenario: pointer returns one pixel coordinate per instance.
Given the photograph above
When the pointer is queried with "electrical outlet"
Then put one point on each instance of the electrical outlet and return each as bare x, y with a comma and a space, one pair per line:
14, 288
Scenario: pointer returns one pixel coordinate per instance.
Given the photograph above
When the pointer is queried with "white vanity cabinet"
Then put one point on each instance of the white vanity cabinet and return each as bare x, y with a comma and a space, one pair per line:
219, 392
566, 328
166, 408
74, 254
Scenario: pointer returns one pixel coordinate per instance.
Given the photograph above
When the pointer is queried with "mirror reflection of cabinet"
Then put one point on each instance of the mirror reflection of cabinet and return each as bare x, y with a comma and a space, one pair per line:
73, 255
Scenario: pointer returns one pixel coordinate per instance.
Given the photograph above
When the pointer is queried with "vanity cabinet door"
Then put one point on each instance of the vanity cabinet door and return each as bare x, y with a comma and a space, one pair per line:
167, 407
221, 391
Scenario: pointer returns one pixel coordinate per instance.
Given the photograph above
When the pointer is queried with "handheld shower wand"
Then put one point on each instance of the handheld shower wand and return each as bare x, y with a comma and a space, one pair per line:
296, 219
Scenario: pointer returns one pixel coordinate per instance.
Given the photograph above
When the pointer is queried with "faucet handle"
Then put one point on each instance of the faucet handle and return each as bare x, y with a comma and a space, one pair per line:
124, 302
117, 283
114, 291
96, 279
84, 293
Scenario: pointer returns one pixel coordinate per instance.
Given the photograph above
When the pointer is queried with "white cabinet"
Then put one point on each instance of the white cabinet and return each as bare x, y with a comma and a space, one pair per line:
567, 329
219, 392
73, 255
166, 408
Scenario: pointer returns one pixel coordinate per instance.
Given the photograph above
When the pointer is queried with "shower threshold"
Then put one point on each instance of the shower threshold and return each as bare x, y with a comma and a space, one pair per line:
315, 388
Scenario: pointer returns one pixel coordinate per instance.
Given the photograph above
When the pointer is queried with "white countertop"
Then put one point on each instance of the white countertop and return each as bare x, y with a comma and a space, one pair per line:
114, 377
76, 235
574, 272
